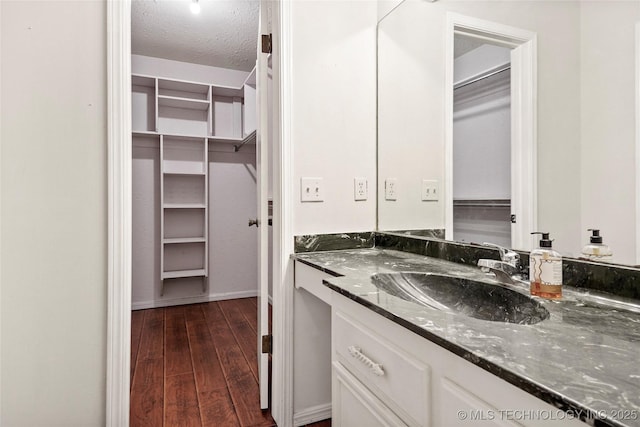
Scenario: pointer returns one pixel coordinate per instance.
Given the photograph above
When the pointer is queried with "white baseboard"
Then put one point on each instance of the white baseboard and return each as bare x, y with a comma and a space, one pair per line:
312, 415
140, 305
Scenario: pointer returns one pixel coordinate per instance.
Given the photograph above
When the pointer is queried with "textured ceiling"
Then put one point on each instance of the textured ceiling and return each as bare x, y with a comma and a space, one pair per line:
224, 34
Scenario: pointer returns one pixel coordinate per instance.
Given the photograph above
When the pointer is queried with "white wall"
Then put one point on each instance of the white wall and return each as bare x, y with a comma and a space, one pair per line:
54, 224
607, 59
334, 112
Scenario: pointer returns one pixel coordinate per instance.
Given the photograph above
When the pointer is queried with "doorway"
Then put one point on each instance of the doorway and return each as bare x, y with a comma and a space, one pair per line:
511, 190
120, 222
481, 142
195, 177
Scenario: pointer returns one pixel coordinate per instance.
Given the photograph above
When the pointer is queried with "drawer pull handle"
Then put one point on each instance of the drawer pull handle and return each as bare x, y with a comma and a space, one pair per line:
374, 367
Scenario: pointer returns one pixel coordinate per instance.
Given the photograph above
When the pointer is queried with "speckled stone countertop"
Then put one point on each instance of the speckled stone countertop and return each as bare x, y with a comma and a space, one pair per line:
584, 358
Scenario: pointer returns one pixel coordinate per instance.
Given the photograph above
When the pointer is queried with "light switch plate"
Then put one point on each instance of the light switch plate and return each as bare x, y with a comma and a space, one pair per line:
360, 189
391, 189
311, 190
430, 190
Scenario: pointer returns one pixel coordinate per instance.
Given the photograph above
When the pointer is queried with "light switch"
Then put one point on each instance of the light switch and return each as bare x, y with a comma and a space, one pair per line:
430, 190
311, 190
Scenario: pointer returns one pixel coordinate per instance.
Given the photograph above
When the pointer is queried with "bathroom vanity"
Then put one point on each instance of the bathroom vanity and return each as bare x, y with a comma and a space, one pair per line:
398, 361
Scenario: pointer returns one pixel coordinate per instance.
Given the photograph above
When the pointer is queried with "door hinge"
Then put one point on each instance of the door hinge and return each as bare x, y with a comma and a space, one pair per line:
513, 218
266, 43
266, 343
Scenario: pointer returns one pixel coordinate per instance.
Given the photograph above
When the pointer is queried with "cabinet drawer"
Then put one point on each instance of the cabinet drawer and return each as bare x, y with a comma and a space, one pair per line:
398, 379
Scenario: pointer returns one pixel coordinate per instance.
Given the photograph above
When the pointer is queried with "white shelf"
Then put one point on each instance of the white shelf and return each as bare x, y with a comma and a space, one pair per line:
250, 138
183, 273
186, 103
182, 172
197, 89
177, 240
144, 133
226, 91
184, 206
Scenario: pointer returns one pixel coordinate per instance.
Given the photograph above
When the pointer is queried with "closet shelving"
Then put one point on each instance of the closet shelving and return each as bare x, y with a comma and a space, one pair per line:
186, 118
183, 196
183, 108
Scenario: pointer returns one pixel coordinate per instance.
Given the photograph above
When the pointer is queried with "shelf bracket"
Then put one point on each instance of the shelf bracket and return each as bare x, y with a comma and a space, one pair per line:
237, 147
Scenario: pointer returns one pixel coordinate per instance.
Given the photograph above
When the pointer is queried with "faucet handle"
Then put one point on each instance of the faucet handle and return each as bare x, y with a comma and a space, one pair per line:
506, 255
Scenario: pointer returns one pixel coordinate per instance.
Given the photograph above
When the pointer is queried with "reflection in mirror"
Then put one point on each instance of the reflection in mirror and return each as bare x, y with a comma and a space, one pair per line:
440, 131
481, 142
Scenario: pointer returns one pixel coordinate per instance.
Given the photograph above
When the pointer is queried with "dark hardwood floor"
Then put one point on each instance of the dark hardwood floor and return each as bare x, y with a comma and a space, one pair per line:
196, 365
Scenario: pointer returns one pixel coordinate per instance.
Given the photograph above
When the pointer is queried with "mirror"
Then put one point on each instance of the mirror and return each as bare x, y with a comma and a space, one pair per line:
563, 79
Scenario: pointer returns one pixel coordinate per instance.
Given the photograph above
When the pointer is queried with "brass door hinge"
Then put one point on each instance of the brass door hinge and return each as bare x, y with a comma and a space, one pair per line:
266, 343
266, 43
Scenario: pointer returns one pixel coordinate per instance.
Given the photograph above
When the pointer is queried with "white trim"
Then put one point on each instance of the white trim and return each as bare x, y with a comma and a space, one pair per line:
524, 152
119, 212
448, 126
169, 302
637, 115
282, 375
263, 138
0, 225
524, 117
312, 415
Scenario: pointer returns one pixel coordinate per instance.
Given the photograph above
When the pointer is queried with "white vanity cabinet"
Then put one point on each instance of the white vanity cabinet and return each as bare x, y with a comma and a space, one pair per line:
384, 374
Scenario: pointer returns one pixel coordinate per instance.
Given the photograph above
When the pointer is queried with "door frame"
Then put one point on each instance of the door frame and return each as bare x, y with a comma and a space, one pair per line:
637, 145
119, 211
119, 181
524, 198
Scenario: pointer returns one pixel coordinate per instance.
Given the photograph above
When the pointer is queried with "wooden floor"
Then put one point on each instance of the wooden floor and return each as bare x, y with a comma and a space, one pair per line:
196, 365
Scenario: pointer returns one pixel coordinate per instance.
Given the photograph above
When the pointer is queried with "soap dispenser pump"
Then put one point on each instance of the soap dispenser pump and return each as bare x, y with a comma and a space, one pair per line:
545, 269
596, 250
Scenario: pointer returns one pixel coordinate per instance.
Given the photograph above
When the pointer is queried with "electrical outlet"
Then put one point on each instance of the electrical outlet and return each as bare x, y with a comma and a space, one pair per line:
311, 190
430, 190
360, 189
391, 189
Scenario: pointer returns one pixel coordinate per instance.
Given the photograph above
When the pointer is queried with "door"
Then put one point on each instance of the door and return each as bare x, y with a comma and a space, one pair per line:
262, 182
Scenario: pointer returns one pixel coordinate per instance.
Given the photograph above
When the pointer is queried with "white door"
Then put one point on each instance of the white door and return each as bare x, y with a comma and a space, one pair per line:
262, 181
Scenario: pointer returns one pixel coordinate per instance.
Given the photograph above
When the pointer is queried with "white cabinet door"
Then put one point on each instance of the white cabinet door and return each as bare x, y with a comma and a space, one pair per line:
355, 406
459, 408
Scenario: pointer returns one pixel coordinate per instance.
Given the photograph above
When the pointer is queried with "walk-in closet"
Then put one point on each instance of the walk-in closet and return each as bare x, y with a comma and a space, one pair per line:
194, 331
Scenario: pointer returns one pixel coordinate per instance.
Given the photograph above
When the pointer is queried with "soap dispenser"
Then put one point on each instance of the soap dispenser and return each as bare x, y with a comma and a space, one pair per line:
545, 270
596, 250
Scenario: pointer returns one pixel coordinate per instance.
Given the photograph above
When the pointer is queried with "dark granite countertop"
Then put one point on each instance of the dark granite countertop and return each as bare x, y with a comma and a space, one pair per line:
583, 358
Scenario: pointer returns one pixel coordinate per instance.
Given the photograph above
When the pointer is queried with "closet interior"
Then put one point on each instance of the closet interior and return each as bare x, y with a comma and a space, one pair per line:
193, 135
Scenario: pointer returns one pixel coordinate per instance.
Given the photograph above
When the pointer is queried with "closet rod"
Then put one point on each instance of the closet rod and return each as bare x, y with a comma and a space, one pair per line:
482, 76
482, 203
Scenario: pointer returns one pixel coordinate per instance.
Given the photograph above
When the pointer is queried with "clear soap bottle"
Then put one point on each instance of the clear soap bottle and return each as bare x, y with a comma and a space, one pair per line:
596, 250
545, 270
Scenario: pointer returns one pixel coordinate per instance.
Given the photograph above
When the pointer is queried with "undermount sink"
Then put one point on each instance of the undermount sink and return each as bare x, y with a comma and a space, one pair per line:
462, 296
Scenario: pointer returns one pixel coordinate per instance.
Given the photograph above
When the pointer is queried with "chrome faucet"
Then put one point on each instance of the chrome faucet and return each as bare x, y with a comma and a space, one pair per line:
507, 268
